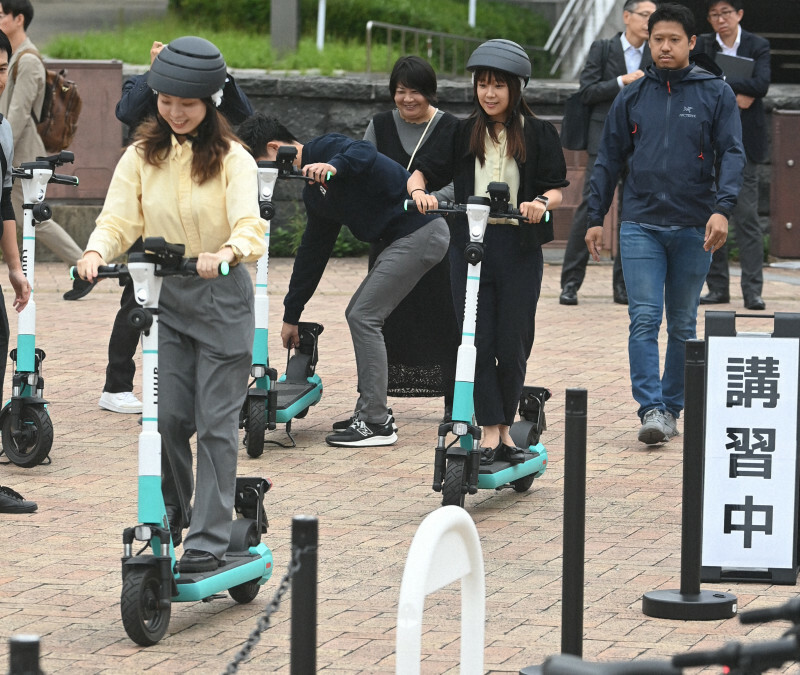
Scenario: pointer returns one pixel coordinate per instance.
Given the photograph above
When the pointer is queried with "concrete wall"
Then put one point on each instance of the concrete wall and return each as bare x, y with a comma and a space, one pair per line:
312, 105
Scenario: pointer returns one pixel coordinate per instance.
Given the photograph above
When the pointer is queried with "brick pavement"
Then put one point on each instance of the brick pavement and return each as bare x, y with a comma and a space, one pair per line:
60, 572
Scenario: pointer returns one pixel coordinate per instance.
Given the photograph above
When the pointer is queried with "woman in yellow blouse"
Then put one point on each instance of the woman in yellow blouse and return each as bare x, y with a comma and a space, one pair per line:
186, 178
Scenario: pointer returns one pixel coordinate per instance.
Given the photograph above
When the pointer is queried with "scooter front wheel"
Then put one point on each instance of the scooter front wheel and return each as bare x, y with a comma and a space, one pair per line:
454, 481
523, 484
29, 444
144, 618
256, 425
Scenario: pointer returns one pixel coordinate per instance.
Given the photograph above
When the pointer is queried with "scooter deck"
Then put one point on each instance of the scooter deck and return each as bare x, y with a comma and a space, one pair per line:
501, 472
293, 398
238, 568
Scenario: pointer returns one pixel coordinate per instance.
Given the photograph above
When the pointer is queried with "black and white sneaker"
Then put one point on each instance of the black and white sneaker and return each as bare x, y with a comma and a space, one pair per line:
341, 425
362, 434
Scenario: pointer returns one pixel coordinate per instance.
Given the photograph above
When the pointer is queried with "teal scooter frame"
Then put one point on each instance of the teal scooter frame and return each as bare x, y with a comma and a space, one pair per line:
25, 424
457, 468
272, 400
151, 582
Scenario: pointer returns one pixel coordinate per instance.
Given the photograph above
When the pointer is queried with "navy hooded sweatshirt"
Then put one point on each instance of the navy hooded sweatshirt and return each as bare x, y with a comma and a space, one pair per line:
673, 127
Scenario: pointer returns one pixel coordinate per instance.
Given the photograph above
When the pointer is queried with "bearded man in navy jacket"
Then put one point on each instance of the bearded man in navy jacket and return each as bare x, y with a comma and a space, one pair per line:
729, 38
351, 183
670, 128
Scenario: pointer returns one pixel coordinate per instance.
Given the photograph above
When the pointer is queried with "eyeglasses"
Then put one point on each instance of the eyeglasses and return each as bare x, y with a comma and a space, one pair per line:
724, 14
644, 15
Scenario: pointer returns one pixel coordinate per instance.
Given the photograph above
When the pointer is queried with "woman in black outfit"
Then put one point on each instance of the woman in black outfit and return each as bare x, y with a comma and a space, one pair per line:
421, 334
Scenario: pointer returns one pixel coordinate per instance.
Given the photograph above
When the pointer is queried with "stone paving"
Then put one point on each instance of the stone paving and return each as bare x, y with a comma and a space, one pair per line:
60, 571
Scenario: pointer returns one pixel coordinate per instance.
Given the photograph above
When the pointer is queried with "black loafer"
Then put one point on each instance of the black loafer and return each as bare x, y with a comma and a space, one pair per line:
756, 302
620, 295
513, 454
488, 455
715, 298
194, 560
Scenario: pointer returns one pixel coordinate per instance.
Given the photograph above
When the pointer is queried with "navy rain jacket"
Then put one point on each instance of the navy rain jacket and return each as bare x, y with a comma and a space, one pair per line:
673, 127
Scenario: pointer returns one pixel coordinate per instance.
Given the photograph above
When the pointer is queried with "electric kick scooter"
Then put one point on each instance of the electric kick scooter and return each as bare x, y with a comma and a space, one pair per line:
25, 424
457, 470
151, 581
271, 400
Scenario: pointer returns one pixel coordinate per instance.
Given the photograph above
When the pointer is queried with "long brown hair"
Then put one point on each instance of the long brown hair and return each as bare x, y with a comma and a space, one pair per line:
514, 129
210, 142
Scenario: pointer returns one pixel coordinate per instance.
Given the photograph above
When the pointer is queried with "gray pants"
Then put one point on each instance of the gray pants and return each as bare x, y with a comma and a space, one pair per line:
749, 239
49, 233
395, 272
205, 344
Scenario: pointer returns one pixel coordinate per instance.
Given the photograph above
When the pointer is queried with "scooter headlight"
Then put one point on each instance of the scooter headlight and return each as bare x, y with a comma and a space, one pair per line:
460, 429
258, 371
143, 533
33, 378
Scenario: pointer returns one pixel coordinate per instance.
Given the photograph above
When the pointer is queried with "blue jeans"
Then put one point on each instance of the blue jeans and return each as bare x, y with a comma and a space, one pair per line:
662, 268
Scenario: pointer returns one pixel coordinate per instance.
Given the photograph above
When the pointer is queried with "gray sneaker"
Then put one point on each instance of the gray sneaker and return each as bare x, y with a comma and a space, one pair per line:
672, 424
655, 427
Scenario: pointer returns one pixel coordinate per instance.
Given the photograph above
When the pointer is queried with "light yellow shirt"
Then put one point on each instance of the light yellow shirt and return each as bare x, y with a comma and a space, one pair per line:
497, 167
164, 201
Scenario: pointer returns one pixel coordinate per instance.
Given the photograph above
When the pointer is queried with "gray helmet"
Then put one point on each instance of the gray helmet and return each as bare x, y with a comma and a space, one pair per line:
502, 55
189, 67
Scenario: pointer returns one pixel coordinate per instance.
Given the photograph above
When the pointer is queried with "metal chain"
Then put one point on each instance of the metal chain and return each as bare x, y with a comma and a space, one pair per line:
263, 621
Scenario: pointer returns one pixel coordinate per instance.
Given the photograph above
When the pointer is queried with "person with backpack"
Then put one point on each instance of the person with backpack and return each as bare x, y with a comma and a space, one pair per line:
21, 103
612, 65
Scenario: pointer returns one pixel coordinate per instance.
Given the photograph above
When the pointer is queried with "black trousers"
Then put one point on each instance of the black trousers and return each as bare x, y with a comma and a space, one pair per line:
121, 368
749, 238
576, 255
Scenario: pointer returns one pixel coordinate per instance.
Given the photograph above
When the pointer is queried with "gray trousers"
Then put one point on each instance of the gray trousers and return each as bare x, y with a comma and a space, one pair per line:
205, 344
396, 271
748, 237
49, 233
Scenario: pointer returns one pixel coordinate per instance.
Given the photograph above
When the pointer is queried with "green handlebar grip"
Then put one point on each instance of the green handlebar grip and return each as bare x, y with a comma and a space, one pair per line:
328, 175
224, 268
72, 271
547, 216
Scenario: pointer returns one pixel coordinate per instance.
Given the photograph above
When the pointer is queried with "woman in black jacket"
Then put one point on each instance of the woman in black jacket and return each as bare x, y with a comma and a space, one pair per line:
501, 141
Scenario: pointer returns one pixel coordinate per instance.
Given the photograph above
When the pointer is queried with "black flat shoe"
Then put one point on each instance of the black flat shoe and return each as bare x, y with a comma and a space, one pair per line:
620, 295
715, 298
513, 454
569, 295
756, 302
194, 560
488, 455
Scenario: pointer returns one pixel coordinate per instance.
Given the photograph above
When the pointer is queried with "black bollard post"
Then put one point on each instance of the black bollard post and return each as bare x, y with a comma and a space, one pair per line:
574, 537
690, 603
304, 597
23, 655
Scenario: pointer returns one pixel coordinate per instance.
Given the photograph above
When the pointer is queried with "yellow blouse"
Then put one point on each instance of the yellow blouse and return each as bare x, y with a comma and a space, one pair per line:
497, 167
145, 200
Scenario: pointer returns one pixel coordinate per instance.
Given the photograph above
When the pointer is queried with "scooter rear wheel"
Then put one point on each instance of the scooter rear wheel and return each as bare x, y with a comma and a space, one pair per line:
256, 425
454, 480
523, 484
525, 434
145, 621
30, 444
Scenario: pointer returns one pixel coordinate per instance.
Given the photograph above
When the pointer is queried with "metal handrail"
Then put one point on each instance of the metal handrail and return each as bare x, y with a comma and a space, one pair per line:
429, 37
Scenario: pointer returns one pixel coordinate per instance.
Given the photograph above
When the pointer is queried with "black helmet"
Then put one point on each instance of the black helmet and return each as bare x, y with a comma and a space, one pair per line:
188, 67
502, 55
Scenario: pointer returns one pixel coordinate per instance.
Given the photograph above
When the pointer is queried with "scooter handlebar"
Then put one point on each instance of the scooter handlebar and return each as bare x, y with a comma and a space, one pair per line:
103, 272
446, 208
62, 179
762, 655
191, 266
788, 611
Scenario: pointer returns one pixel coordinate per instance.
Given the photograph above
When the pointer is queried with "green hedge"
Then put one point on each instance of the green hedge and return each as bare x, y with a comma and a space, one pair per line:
346, 19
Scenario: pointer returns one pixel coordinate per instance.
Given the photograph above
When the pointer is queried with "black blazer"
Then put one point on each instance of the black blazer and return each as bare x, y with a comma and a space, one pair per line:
599, 85
754, 119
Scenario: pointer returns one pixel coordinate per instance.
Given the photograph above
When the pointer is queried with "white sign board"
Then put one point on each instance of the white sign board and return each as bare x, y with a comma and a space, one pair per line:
750, 474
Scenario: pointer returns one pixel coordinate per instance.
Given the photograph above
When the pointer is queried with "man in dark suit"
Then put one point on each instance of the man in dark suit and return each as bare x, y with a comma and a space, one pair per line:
611, 65
729, 38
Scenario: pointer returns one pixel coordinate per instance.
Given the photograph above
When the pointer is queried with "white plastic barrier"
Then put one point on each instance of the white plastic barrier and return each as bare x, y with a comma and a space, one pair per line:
445, 548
